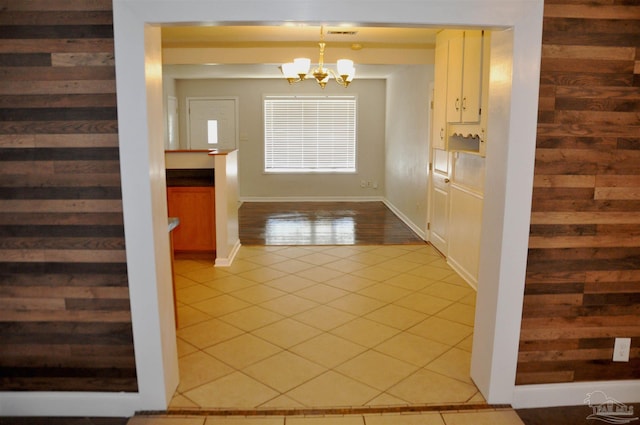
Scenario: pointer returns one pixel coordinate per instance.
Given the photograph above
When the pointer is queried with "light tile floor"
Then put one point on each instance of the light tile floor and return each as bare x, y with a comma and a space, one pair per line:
324, 327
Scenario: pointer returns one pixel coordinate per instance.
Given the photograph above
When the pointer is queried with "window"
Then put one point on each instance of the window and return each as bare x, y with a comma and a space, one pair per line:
311, 134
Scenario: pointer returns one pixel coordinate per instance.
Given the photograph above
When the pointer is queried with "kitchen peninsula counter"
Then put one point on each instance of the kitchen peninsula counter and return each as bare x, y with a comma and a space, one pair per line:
217, 170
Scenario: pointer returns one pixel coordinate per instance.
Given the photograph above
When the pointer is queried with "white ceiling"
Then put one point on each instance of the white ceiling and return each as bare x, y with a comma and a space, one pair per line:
374, 49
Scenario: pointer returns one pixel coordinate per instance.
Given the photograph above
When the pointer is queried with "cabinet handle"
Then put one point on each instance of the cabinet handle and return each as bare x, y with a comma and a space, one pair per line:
457, 103
464, 103
447, 180
441, 133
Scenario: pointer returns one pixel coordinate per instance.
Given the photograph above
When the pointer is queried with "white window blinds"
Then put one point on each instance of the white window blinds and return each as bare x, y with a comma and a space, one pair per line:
310, 134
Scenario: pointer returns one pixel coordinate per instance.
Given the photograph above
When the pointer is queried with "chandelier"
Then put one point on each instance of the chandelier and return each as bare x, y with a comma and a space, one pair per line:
298, 70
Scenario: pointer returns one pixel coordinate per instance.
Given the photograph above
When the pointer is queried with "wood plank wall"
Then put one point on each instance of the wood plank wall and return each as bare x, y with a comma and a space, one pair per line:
65, 322
583, 273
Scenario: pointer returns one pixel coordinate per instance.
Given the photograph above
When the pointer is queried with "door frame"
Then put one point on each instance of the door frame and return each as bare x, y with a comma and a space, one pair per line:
431, 185
515, 61
516, 45
516, 53
514, 92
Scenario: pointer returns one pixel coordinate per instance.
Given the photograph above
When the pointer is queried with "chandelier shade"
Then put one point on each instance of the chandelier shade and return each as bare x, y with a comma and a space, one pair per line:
300, 69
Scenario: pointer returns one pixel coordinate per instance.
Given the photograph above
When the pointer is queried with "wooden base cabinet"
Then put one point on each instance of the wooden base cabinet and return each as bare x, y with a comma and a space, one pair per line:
195, 207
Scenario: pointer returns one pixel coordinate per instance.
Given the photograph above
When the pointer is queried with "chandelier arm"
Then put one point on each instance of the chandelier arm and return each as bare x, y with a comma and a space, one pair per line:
338, 78
321, 74
332, 73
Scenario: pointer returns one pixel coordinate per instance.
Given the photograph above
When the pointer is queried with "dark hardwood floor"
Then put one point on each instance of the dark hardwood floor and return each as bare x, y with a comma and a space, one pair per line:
322, 223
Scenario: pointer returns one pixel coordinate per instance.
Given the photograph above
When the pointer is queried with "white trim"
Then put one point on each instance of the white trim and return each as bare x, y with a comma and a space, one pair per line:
144, 201
406, 220
313, 199
68, 404
510, 162
427, 225
227, 261
468, 277
573, 394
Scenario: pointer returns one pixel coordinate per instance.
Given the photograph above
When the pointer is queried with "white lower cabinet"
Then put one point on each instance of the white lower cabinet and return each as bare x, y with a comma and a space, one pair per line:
466, 197
464, 233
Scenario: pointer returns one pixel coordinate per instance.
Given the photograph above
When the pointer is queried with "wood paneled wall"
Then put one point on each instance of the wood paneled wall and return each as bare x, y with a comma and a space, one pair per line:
583, 273
65, 322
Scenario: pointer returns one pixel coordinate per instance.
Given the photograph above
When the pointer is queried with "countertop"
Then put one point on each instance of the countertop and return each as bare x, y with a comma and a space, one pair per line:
214, 152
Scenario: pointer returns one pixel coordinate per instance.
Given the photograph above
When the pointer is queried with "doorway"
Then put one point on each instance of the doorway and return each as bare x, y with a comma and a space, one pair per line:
499, 265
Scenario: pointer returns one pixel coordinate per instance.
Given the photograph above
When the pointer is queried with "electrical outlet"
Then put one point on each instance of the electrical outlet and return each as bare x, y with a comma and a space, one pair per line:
363, 183
621, 349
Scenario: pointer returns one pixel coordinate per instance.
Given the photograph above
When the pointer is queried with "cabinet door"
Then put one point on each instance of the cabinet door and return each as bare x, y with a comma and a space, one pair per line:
454, 76
464, 69
440, 96
195, 207
471, 76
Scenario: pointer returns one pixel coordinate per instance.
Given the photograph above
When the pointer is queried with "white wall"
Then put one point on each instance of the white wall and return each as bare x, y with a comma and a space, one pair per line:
407, 145
254, 184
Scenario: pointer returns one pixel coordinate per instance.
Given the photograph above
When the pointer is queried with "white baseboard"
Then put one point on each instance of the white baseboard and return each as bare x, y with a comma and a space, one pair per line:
468, 277
227, 261
314, 199
70, 404
573, 393
406, 220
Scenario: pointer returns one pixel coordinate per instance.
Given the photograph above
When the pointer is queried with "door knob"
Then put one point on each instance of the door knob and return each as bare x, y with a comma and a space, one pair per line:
447, 180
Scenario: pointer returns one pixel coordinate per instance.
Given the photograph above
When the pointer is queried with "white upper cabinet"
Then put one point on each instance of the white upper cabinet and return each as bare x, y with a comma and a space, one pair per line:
439, 127
460, 92
464, 83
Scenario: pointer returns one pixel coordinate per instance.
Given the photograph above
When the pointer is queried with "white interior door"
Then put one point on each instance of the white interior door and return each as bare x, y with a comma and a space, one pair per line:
438, 228
212, 123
